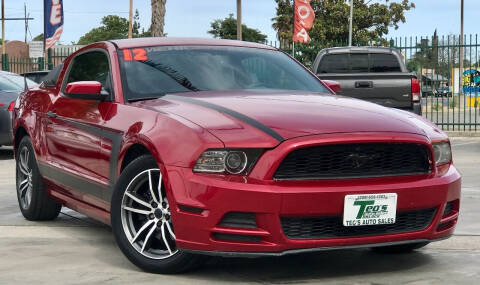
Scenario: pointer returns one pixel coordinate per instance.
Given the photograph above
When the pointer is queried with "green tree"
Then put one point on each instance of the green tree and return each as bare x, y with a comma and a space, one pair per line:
113, 27
227, 29
371, 20
38, 37
426, 55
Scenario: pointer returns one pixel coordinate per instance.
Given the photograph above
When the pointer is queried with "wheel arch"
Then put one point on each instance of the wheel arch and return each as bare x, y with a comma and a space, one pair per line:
135, 146
20, 132
132, 152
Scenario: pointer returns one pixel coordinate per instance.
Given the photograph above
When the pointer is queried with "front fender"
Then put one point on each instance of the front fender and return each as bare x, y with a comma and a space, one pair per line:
171, 139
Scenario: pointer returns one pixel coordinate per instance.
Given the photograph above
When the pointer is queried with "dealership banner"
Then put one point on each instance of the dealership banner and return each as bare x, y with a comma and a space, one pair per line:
53, 21
303, 17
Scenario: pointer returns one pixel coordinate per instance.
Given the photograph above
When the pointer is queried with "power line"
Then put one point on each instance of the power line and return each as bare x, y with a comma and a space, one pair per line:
75, 12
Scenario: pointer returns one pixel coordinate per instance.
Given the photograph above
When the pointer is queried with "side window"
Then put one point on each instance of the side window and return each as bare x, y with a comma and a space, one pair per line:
359, 62
91, 66
334, 63
50, 80
384, 62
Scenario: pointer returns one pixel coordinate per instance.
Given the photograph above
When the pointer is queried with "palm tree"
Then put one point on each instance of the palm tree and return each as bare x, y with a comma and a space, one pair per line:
158, 17
283, 22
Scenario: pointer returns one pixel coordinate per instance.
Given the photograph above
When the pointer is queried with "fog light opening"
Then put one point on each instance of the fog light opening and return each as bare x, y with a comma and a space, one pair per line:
445, 226
236, 238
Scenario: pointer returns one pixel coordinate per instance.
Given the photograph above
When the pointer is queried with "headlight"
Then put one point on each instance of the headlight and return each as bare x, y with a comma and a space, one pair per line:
232, 161
442, 153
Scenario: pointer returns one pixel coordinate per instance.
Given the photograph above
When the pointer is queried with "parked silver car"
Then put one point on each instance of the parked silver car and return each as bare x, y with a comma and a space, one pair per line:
11, 85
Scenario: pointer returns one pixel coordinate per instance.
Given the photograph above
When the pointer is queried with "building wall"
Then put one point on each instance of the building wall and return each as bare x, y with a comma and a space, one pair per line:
16, 49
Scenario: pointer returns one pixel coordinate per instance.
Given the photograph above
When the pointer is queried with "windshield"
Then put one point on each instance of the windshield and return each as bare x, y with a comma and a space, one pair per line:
154, 71
14, 83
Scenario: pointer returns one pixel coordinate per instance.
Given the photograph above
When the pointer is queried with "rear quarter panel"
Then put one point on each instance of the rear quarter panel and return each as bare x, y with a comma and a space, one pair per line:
29, 113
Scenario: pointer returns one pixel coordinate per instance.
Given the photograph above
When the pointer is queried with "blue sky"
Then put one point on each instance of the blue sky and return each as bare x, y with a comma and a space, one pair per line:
192, 17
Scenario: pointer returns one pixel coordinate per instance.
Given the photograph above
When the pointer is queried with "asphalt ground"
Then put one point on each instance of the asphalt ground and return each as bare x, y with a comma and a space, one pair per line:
74, 249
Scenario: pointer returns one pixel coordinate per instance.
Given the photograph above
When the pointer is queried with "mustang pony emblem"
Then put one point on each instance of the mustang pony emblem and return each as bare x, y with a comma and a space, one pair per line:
357, 160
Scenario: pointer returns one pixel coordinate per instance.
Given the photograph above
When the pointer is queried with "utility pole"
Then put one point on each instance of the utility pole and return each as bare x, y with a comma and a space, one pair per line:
460, 91
239, 20
3, 27
130, 18
350, 27
26, 21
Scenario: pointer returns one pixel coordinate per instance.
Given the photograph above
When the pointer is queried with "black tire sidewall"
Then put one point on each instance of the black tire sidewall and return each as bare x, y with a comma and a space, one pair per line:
179, 262
25, 142
41, 206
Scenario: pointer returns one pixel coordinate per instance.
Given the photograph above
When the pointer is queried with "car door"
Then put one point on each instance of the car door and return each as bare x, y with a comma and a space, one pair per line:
73, 132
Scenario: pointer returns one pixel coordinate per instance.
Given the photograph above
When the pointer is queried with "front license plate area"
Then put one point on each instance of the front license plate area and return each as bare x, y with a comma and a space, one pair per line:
369, 209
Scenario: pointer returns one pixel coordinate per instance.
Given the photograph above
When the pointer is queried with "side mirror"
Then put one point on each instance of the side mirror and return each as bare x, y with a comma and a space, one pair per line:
87, 90
334, 85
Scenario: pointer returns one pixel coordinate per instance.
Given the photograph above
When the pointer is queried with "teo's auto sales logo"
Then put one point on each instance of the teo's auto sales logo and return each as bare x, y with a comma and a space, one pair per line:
368, 210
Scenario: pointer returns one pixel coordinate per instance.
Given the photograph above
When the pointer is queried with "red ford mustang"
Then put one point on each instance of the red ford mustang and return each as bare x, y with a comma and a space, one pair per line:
193, 147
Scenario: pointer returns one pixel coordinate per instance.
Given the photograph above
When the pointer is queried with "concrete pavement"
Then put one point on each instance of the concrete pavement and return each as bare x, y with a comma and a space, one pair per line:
77, 250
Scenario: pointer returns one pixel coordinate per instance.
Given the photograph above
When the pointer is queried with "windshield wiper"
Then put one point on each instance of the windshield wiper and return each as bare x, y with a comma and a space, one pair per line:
172, 73
145, 98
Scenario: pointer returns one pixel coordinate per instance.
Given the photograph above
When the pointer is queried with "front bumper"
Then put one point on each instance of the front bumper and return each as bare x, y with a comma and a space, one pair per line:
200, 202
216, 197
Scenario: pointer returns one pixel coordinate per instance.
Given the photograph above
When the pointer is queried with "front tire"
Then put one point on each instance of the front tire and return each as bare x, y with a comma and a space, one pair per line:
141, 220
34, 202
401, 248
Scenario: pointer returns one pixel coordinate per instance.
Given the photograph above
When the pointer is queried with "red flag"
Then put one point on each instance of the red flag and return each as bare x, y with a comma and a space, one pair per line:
303, 17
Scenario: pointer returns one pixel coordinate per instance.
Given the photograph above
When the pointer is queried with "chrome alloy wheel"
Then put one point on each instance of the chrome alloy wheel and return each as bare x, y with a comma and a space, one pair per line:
24, 178
146, 218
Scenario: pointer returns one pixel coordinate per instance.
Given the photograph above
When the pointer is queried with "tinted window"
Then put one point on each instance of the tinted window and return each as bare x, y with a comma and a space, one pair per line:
269, 76
91, 66
155, 71
381, 62
51, 78
359, 62
334, 63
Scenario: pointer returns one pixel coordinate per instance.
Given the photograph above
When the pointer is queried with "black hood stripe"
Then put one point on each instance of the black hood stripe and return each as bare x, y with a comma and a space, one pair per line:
230, 112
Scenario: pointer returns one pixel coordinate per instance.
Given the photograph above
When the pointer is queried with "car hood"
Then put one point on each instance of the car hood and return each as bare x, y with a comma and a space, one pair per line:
287, 114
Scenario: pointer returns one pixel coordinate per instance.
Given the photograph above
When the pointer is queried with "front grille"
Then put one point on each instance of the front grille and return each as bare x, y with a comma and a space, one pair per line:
332, 227
355, 161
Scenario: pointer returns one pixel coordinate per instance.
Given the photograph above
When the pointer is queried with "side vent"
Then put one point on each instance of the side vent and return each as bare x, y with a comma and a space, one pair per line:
239, 220
190, 209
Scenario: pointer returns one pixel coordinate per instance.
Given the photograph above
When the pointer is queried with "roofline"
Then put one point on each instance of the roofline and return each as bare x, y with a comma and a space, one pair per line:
174, 41
359, 48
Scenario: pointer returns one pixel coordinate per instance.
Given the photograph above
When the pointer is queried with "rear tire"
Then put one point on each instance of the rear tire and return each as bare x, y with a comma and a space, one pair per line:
401, 248
34, 202
141, 222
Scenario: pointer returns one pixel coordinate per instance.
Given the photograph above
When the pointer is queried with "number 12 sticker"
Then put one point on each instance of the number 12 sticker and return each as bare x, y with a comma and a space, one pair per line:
139, 54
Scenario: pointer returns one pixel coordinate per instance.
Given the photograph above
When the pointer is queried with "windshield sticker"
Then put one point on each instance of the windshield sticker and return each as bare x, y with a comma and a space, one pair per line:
139, 54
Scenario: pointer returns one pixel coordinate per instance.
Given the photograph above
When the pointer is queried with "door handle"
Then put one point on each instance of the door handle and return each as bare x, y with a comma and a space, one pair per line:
363, 84
51, 114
